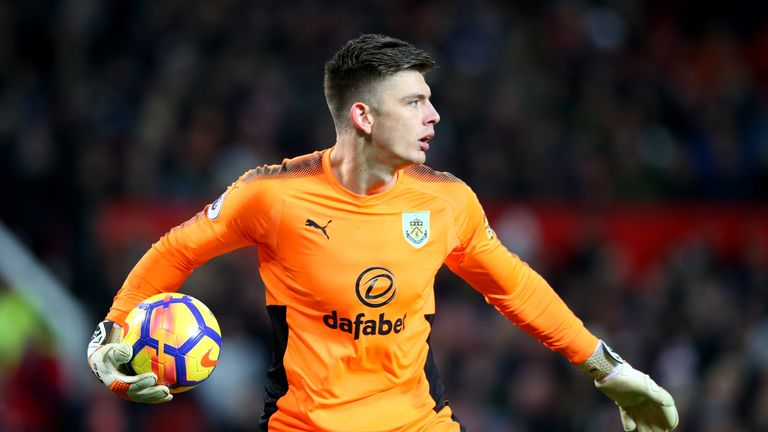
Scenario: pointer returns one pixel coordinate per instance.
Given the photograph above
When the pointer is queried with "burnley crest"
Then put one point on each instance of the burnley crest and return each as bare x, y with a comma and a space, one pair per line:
416, 228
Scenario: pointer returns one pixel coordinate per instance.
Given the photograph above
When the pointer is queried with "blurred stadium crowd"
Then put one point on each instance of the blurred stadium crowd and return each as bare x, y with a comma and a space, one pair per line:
588, 103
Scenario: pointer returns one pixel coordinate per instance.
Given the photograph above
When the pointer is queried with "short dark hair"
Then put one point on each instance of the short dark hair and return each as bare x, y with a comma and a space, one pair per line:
364, 60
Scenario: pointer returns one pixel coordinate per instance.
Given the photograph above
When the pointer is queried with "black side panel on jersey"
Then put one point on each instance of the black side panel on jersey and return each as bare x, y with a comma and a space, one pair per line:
436, 386
277, 383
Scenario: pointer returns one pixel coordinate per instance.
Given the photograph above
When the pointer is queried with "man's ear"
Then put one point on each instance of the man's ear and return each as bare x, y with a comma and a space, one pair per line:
362, 117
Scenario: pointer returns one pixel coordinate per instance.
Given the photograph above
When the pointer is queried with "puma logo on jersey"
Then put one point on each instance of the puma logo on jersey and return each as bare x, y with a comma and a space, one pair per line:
313, 224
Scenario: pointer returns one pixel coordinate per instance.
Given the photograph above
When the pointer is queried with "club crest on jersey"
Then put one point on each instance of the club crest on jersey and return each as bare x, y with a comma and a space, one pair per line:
416, 228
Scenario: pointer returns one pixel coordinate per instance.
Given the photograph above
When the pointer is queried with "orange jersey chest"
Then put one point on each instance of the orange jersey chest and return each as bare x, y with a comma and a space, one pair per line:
357, 263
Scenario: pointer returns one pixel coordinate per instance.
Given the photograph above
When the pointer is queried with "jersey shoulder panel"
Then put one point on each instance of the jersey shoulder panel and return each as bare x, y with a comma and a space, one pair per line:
252, 204
428, 175
309, 165
441, 184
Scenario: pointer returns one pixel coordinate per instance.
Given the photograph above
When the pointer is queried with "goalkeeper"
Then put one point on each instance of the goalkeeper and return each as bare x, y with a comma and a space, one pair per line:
350, 239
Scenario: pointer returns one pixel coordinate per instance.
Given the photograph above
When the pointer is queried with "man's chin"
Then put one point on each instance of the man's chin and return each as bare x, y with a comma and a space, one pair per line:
415, 162
417, 158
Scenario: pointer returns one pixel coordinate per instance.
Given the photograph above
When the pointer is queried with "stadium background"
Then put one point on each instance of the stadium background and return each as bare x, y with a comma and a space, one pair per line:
620, 146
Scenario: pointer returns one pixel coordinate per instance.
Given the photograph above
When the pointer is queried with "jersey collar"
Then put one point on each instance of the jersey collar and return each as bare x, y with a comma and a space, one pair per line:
351, 196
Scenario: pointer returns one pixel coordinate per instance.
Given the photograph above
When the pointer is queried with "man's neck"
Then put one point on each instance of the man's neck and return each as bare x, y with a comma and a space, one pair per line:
357, 170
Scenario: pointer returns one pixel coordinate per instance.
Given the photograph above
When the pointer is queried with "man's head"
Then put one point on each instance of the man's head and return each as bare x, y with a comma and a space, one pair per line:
356, 70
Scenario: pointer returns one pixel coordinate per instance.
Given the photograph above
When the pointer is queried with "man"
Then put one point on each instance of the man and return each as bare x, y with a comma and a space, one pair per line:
349, 240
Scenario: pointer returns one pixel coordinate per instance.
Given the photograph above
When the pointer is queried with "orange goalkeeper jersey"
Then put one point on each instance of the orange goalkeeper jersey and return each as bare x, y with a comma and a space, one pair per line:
349, 288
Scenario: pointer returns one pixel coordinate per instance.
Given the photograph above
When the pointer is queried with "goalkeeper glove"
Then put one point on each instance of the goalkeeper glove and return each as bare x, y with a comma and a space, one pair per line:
643, 405
107, 356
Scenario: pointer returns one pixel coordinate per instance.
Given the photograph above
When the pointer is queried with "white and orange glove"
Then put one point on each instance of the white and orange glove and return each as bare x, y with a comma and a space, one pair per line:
107, 357
643, 405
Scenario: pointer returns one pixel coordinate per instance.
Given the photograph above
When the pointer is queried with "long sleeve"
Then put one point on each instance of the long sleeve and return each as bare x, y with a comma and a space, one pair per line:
229, 223
515, 289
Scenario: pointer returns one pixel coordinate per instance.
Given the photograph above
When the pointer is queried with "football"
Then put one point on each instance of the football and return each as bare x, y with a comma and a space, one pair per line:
175, 336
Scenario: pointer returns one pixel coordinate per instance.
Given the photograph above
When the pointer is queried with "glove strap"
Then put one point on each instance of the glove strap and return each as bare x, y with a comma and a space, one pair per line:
106, 332
602, 362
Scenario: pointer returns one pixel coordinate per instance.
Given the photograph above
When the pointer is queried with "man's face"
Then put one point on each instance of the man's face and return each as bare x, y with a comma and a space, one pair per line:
404, 120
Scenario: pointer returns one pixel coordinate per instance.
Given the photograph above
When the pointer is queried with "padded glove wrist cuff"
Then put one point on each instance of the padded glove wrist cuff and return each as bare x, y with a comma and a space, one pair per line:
601, 363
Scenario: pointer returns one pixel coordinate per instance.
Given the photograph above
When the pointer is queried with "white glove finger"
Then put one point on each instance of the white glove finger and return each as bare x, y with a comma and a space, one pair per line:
118, 353
663, 417
143, 381
167, 398
154, 394
644, 414
660, 423
641, 423
153, 399
626, 420
651, 415
670, 416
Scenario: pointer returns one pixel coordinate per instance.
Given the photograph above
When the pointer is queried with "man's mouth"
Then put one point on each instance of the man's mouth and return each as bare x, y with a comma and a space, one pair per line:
425, 141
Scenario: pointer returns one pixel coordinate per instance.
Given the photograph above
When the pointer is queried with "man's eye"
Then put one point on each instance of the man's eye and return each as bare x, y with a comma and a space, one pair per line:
414, 103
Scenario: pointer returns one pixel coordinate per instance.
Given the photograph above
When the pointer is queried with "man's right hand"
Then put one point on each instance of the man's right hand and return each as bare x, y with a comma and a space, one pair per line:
106, 357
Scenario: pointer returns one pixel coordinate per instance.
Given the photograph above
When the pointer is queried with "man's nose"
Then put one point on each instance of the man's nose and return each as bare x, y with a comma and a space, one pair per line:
432, 117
